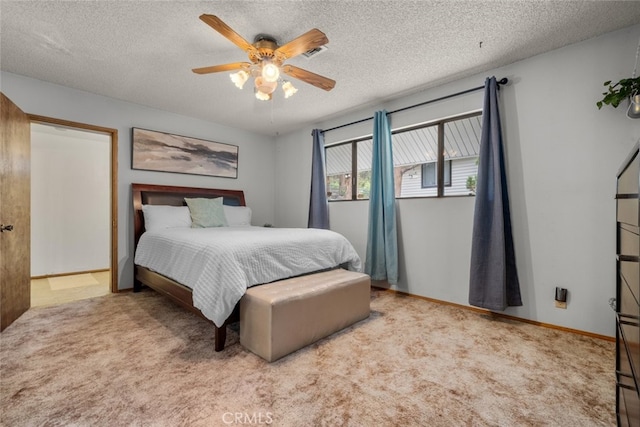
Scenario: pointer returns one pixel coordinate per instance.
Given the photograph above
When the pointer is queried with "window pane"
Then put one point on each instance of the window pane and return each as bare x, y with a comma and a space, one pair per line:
430, 172
411, 150
338, 164
461, 146
365, 152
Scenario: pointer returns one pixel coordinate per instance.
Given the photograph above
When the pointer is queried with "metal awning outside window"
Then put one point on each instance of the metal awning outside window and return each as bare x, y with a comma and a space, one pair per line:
417, 146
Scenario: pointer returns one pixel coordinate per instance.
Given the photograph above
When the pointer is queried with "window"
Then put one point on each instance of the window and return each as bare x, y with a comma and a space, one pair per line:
418, 153
338, 170
348, 179
430, 176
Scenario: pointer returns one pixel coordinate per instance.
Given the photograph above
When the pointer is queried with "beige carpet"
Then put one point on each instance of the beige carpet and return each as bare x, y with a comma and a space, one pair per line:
137, 359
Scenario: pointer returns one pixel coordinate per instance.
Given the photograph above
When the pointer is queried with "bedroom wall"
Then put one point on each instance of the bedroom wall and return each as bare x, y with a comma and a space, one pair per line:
562, 158
256, 152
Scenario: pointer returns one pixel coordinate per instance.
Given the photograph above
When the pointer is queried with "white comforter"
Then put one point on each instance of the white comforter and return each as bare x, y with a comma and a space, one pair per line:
219, 264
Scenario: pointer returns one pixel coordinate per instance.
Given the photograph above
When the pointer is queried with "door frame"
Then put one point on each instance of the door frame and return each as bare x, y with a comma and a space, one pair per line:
114, 182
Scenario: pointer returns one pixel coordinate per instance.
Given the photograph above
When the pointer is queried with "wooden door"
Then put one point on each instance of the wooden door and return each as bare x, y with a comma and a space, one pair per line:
15, 212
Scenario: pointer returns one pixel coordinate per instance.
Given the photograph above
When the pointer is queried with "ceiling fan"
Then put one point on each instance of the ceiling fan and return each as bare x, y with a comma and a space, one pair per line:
267, 60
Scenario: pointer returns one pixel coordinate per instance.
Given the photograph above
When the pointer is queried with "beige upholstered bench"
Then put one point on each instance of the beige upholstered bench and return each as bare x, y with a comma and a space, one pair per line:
281, 317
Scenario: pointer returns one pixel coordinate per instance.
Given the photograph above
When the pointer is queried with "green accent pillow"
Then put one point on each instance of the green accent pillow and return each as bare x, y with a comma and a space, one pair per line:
206, 212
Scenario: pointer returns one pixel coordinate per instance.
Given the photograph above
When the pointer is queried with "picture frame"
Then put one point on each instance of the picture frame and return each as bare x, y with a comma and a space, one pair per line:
165, 152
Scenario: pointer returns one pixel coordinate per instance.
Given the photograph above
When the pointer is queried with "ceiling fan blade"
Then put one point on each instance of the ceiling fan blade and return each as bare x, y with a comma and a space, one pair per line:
217, 24
309, 77
223, 67
309, 40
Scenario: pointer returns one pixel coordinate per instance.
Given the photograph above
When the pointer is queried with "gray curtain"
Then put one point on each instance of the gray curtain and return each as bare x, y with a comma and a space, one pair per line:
382, 245
493, 280
318, 204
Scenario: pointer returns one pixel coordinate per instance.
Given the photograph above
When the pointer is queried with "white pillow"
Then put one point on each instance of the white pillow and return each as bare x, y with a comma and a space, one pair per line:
158, 217
237, 216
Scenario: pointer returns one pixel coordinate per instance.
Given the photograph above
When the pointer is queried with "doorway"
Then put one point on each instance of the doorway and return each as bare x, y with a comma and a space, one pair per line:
74, 210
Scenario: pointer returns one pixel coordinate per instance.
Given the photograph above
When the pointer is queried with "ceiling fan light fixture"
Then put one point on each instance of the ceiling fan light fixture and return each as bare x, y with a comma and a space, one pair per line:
265, 86
263, 96
288, 89
239, 78
270, 72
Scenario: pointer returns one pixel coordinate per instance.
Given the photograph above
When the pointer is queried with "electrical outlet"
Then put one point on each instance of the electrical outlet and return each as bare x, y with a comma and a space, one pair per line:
561, 297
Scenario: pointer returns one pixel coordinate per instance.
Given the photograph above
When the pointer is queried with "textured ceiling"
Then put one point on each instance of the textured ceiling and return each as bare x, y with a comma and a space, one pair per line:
143, 51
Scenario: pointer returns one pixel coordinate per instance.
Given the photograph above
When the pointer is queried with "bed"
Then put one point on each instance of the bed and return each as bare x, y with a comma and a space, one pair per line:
211, 284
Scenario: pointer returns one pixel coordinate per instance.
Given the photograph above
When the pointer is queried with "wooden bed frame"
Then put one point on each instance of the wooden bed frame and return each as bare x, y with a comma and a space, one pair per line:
149, 194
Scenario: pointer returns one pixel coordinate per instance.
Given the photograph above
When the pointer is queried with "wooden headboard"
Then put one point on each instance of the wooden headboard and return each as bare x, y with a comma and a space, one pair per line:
150, 194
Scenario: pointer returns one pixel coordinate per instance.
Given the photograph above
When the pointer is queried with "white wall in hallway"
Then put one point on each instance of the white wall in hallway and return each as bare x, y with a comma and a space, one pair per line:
70, 200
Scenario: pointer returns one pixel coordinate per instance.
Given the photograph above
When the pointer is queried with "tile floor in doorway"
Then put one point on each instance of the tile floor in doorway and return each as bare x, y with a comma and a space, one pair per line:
61, 289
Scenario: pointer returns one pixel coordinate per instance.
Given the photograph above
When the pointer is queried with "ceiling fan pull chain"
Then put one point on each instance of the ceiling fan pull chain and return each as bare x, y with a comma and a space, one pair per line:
271, 111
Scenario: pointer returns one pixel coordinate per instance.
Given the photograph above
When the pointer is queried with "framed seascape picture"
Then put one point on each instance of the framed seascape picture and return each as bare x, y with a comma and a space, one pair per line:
164, 152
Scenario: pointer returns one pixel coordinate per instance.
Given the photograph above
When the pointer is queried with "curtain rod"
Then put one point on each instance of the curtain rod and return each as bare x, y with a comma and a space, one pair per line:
502, 81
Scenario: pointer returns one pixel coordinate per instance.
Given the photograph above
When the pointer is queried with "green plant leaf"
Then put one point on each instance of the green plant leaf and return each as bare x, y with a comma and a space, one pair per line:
617, 93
